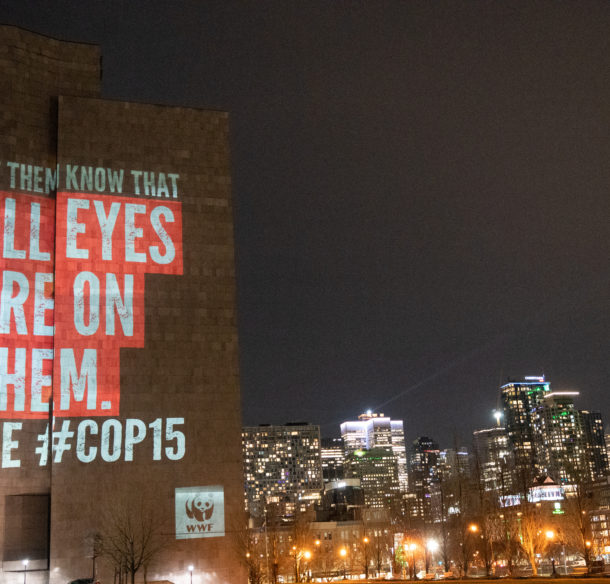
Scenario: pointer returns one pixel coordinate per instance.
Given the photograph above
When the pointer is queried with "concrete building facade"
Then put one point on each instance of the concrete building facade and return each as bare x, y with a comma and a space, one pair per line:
120, 390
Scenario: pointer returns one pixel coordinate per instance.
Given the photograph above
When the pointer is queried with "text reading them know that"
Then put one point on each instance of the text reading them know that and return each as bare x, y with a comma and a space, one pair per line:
91, 179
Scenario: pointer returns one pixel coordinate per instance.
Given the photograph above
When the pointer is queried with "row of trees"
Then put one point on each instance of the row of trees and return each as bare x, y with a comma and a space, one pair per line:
131, 538
470, 521
466, 526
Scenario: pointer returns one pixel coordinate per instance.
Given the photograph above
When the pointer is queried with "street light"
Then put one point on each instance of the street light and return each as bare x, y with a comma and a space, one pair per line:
343, 554
431, 546
365, 539
473, 527
25, 568
191, 568
307, 556
412, 548
297, 575
550, 535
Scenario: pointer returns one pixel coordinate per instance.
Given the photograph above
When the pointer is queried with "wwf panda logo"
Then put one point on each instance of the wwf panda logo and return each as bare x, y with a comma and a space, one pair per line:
200, 507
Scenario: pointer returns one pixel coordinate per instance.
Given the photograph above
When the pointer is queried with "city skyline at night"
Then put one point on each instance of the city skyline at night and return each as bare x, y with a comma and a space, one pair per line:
421, 191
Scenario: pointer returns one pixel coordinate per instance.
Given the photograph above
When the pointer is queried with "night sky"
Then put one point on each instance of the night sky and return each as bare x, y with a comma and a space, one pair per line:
421, 191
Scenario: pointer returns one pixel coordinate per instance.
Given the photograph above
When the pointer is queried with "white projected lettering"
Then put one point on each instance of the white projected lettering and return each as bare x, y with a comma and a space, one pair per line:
111, 440
72, 296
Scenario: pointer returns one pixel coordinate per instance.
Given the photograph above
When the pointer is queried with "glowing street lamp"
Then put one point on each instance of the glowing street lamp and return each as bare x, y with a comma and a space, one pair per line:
473, 528
431, 547
343, 554
307, 556
412, 547
550, 535
297, 571
191, 568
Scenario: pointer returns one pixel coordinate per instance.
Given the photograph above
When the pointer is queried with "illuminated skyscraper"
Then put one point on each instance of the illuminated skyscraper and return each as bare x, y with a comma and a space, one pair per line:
377, 471
424, 457
597, 455
494, 458
559, 437
451, 475
569, 442
282, 466
519, 398
377, 431
333, 459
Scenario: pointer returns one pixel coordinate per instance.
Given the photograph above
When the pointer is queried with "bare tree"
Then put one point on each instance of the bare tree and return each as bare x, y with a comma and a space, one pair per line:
381, 543
446, 486
576, 532
533, 537
94, 543
487, 503
301, 541
131, 537
249, 546
511, 541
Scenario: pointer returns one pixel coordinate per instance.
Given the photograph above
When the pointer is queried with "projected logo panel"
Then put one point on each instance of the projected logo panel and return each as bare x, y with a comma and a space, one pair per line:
200, 512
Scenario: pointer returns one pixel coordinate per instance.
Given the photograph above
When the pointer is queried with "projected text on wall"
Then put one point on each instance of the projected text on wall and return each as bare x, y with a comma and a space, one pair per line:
64, 319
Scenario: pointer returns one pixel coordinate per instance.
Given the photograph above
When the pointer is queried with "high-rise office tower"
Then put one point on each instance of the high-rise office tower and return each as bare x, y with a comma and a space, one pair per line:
448, 484
519, 398
494, 459
377, 431
454, 462
569, 442
333, 459
376, 468
282, 466
560, 438
424, 456
597, 455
